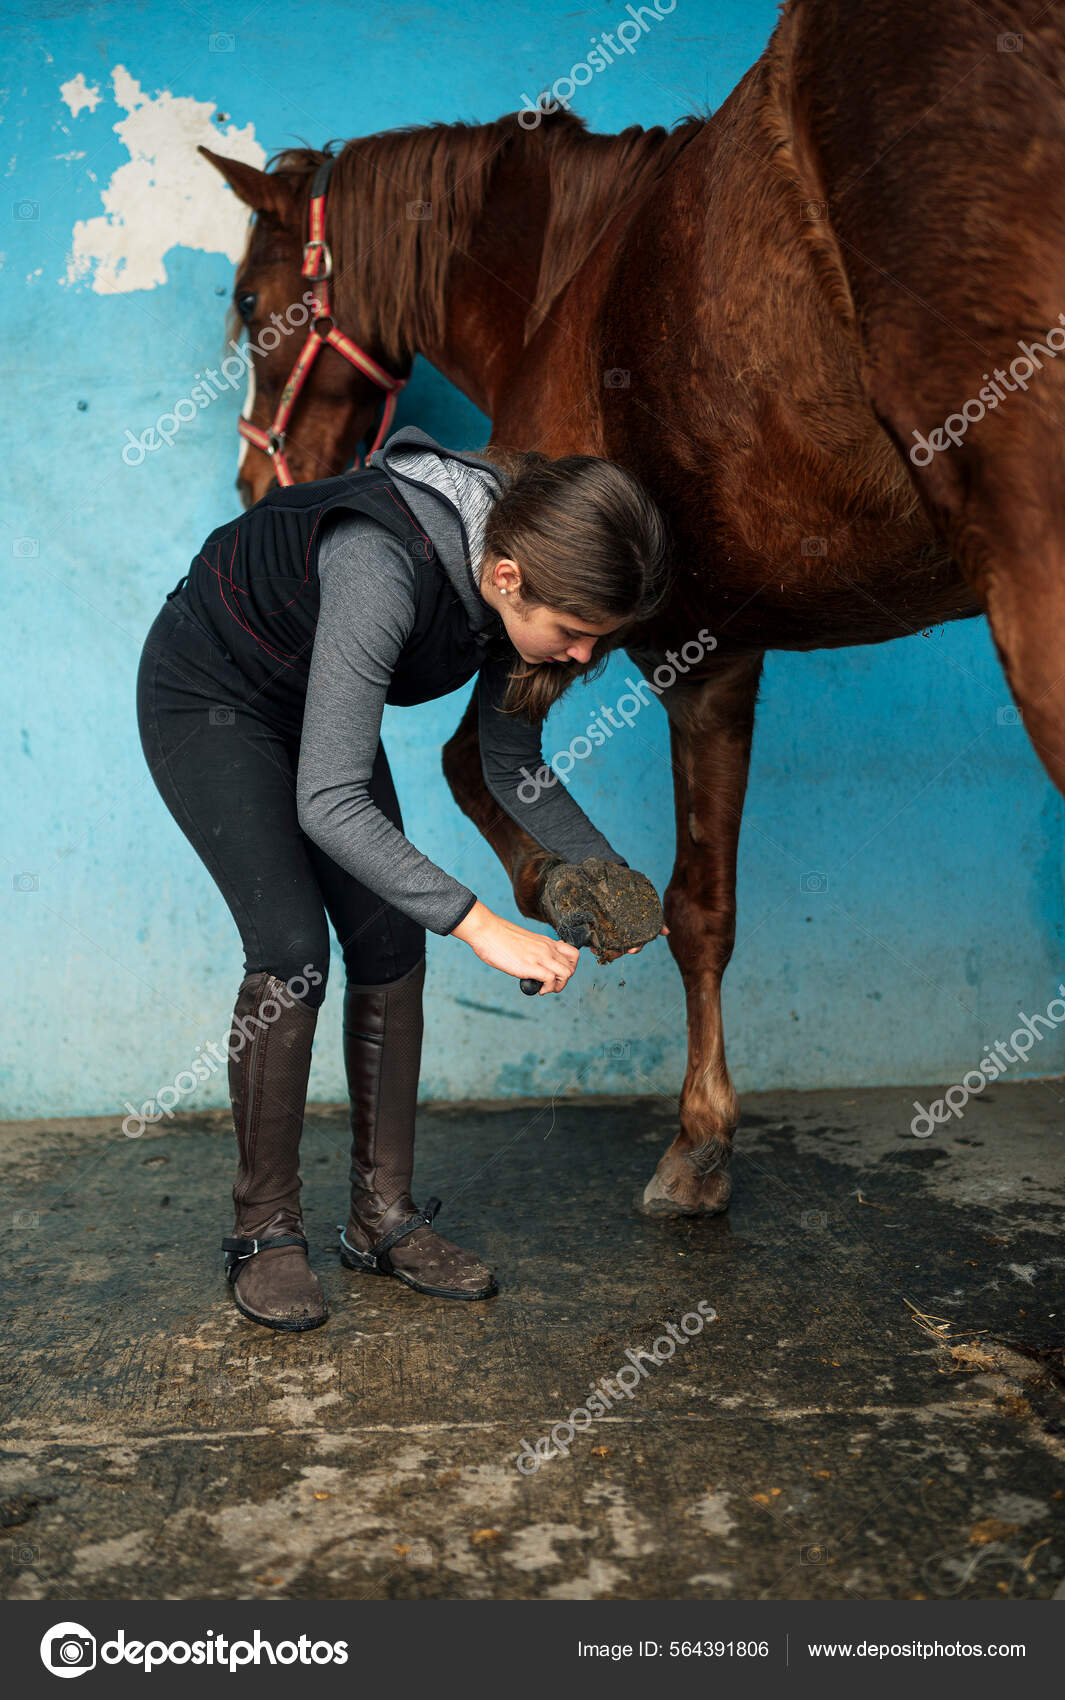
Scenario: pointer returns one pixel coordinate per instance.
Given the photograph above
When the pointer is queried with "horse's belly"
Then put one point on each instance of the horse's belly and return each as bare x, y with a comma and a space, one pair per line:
829, 600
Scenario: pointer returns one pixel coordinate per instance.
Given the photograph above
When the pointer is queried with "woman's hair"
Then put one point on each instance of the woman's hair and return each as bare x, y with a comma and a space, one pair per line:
590, 542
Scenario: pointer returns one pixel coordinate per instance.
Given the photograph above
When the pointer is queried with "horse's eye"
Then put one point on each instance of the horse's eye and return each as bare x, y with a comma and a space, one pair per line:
246, 306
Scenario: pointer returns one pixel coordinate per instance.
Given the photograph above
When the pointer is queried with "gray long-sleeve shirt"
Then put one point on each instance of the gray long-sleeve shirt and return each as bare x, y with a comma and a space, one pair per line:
367, 611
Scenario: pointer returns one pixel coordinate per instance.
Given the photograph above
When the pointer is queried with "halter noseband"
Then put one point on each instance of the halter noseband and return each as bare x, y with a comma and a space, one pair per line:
318, 268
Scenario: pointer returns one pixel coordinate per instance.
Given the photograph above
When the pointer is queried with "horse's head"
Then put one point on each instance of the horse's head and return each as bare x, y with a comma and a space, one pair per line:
339, 404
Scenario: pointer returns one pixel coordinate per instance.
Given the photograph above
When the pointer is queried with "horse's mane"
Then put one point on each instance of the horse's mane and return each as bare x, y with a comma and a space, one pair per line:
592, 178
390, 268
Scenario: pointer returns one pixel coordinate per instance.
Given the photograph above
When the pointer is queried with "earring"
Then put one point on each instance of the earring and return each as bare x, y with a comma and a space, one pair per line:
502, 590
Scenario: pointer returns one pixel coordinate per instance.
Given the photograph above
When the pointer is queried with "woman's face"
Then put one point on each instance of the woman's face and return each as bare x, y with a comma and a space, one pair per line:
539, 634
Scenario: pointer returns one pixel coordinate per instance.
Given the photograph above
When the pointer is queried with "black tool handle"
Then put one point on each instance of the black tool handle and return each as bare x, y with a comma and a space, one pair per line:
578, 931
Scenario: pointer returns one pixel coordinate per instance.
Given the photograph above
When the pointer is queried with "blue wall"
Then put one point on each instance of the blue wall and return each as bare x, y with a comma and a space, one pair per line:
901, 885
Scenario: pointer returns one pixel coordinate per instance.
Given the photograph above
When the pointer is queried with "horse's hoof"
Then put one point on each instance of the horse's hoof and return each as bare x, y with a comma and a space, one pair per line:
678, 1189
601, 904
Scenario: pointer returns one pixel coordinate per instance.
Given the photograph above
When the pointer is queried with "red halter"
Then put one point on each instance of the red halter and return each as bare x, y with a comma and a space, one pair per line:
318, 267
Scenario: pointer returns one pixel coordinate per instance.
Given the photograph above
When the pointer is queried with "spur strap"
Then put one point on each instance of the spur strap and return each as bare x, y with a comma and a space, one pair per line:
377, 1257
238, 1250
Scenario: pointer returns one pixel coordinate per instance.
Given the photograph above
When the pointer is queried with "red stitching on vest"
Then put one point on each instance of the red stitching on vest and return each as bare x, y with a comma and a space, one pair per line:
288, 658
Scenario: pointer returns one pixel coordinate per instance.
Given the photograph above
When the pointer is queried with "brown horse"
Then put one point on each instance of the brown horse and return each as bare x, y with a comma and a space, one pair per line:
761, 314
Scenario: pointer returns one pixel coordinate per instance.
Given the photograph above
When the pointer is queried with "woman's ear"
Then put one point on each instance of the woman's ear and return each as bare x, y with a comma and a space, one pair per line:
505, 574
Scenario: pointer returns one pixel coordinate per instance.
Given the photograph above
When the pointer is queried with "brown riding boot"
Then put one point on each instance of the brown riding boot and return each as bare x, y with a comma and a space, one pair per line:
270, 1060
385, 1232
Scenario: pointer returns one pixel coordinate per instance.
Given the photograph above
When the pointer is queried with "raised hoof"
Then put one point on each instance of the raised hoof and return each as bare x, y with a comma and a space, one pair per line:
684, 1185
602, 905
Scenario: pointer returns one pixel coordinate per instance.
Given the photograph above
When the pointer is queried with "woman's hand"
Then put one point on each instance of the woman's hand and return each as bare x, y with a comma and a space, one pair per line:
515, 950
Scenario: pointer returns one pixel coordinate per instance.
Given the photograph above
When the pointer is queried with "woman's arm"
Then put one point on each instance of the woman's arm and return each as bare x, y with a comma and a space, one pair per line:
367, 611
514, 771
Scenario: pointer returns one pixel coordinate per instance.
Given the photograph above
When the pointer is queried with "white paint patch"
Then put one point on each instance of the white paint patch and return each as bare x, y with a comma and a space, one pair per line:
105, 1556
600, 1578
65, 158
486, 1489
533, 1548
123, 1461
712, 1514
78, 94
355, 1515
1017, 1508
630, 1532
165, 196
27, 1587
297, 1410
295, 1405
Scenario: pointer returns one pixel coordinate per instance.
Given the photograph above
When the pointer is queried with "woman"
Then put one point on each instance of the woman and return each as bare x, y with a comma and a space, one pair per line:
259, 699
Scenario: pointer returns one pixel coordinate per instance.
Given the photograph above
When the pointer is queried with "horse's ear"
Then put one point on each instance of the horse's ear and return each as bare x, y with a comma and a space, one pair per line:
259, 190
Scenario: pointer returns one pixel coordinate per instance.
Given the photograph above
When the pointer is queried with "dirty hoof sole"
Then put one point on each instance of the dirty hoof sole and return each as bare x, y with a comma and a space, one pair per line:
601, 901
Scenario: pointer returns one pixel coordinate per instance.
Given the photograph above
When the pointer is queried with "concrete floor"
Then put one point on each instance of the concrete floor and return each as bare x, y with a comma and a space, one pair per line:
815, 1441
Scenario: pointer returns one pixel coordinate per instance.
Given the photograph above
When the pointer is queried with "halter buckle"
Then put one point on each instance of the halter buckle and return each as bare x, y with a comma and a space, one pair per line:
275, 442
326, 262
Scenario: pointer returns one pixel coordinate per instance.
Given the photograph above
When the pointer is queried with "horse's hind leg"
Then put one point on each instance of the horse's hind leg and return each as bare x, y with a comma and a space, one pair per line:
710, 731
997, 494
943, 200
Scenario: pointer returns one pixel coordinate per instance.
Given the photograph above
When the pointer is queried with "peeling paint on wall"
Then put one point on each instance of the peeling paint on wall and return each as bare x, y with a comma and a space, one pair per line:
165, 196
78, 94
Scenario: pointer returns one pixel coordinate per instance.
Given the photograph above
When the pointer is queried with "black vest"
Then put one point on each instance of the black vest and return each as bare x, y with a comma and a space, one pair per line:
254, 588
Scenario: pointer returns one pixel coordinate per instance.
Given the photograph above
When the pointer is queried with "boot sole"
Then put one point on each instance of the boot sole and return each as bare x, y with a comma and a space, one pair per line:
285, 1324
418, 1286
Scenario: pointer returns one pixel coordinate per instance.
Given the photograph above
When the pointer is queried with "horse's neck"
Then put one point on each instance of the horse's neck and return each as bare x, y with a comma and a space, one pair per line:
492, 280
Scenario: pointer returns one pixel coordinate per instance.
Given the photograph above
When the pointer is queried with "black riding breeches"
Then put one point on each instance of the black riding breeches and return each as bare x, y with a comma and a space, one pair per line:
227, 773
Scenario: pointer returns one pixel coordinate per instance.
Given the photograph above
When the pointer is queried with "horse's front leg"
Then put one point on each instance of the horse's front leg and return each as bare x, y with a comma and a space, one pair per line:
710, 733
523, 858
